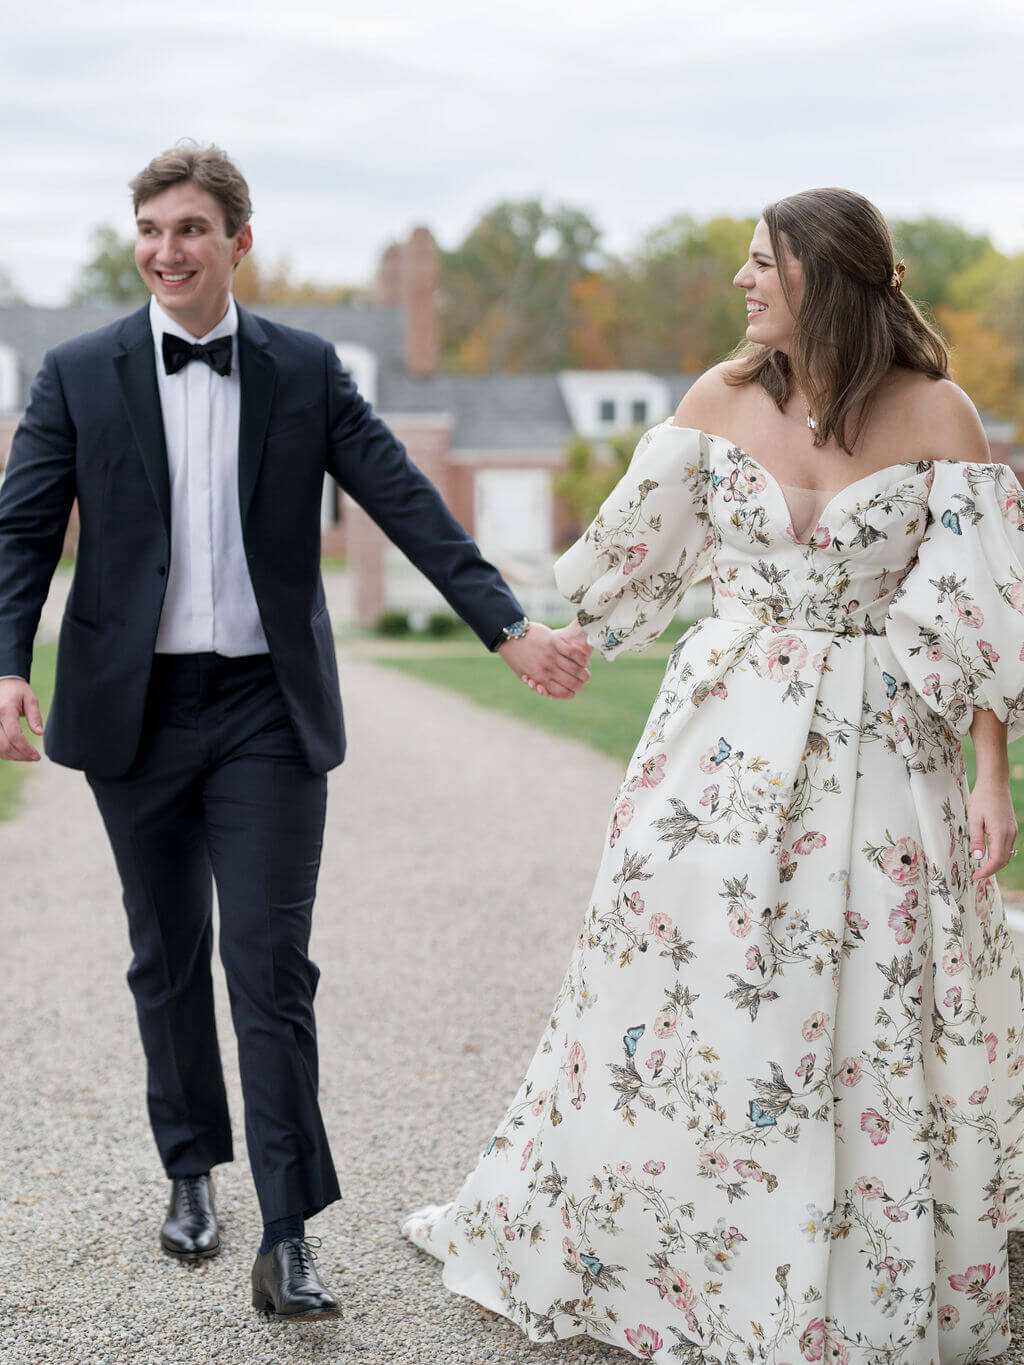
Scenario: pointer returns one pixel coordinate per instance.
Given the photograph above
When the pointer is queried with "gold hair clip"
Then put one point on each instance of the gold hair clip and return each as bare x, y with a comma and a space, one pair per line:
896, 278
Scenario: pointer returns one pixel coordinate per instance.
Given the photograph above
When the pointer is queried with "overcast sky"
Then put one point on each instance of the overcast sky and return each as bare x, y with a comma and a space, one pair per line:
353, 123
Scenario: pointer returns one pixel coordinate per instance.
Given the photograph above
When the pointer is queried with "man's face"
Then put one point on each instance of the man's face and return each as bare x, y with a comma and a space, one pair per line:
185, 257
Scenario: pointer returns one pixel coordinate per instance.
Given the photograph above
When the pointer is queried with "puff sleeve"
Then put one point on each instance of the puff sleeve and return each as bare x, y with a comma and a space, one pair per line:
650, 541
956, 622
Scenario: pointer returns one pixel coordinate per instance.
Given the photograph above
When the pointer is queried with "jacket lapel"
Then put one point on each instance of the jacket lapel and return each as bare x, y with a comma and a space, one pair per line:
136, 372
257, 372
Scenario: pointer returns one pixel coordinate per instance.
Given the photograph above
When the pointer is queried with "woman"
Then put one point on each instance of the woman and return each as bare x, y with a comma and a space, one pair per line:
777, 1113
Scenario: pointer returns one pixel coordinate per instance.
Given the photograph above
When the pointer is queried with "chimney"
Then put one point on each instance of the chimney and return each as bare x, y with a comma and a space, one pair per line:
389, 276
419, 281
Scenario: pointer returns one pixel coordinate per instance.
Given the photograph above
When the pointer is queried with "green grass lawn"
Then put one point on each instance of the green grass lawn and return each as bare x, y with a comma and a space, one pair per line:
610, 711
13, 774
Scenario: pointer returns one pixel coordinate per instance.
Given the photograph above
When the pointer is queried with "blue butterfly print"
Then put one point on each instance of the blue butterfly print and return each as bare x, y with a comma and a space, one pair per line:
592, 1263
717, 479
760, 1118
890, 685
611, 639
490, 1145
724, 750
633, 1036
951, 520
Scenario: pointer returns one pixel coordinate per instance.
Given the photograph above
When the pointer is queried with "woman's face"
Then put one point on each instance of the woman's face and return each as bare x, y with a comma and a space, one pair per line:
770, 320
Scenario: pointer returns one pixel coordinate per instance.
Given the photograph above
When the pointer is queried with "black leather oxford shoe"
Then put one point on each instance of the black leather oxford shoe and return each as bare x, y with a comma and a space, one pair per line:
190, 1231
285, 1284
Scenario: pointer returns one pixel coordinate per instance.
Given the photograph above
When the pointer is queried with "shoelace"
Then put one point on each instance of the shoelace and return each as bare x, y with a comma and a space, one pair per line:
303, 1254
190, 1192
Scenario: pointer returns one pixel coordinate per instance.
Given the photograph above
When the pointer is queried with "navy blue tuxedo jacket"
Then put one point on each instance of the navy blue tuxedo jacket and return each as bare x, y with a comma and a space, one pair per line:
93, 431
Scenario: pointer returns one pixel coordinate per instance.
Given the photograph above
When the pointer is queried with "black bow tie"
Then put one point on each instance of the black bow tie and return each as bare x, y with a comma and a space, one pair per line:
178, 352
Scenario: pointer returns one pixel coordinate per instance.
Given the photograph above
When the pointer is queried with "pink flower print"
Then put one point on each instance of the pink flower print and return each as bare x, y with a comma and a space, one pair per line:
815, 1026
785, 857
948, 1317
710, 795
749, 1170
654, 1167
577, 1066
501, 1206
665, 1024
820, 659
931, 684
973, 1281
539, 1103
753, 958
621, 817
954, 875
740, 922
933, 652
636, 903
527, 1153
999, 1302
644, 1340
652, 770
707, 763
895, 1214
987, 652
674, 1286
1015, 594
808, 842
1014, 512
510, 1232
856, 922
836, 1353
713, 1163
978, 1096
720, 690
902, 863
571, 1254
661, 926
871, 1187
806, 1065
1016, 1066
784, 658
970, 613
952, 998
850, 1072
565, 1215
902, 729
624, 1168
655, 1060
953, 962
992, 1043
633, 557
820, 537
903, 924
812, 1342
876, 1127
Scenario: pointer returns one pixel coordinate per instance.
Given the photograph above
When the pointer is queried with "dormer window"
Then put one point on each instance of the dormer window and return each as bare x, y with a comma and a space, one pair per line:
639, 409
606, 410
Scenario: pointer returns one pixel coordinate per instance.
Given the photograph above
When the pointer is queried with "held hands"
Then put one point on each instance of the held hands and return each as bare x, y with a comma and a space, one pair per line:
552, 663
16, 700
990, 816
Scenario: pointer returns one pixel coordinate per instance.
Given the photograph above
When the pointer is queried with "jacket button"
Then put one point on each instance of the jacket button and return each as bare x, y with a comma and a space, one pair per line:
162, 570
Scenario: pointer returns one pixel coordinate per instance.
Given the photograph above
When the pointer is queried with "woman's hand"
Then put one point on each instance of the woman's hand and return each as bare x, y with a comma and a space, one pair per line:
991, 817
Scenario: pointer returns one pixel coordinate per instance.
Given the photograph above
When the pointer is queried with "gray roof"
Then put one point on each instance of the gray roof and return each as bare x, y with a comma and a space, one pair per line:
489, 411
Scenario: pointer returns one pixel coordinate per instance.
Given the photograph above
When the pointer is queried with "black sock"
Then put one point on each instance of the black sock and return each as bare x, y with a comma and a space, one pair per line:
282, 1229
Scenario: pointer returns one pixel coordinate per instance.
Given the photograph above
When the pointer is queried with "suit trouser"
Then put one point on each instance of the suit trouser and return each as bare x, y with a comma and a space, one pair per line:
220, 793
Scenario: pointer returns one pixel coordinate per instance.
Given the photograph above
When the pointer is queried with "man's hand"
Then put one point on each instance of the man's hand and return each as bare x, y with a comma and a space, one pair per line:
553, 663
16, 700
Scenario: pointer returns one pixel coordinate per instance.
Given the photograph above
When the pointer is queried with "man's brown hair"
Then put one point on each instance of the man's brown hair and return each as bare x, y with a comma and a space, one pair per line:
208, 167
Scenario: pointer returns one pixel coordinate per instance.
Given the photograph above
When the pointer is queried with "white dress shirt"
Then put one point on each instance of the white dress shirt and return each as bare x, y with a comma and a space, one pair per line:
209, 605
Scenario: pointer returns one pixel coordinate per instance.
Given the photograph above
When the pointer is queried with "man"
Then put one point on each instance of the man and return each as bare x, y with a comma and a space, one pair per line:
196, 680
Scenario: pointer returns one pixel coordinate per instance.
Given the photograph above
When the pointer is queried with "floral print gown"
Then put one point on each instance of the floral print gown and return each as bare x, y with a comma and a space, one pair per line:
777, 1112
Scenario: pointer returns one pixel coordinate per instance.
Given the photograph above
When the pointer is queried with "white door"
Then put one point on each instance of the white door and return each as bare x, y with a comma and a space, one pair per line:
512, 514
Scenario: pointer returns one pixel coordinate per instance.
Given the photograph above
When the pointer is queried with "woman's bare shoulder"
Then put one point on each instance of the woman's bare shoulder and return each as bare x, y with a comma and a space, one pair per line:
950, 422
710, 400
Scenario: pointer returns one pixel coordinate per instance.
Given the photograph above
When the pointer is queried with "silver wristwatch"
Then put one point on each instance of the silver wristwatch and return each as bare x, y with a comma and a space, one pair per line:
515, 631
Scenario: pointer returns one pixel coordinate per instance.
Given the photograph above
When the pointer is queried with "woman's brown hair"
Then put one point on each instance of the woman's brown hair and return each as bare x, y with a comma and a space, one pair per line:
854, 322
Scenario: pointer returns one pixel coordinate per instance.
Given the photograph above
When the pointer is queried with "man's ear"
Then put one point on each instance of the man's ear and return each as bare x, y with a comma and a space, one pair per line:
243, 245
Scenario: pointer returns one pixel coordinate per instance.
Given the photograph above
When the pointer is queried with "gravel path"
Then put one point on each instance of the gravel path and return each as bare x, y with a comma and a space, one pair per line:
459, 856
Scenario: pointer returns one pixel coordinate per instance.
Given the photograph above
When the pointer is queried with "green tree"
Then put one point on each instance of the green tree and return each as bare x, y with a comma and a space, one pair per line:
937, 251
591, 470
507, 291
109, 275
